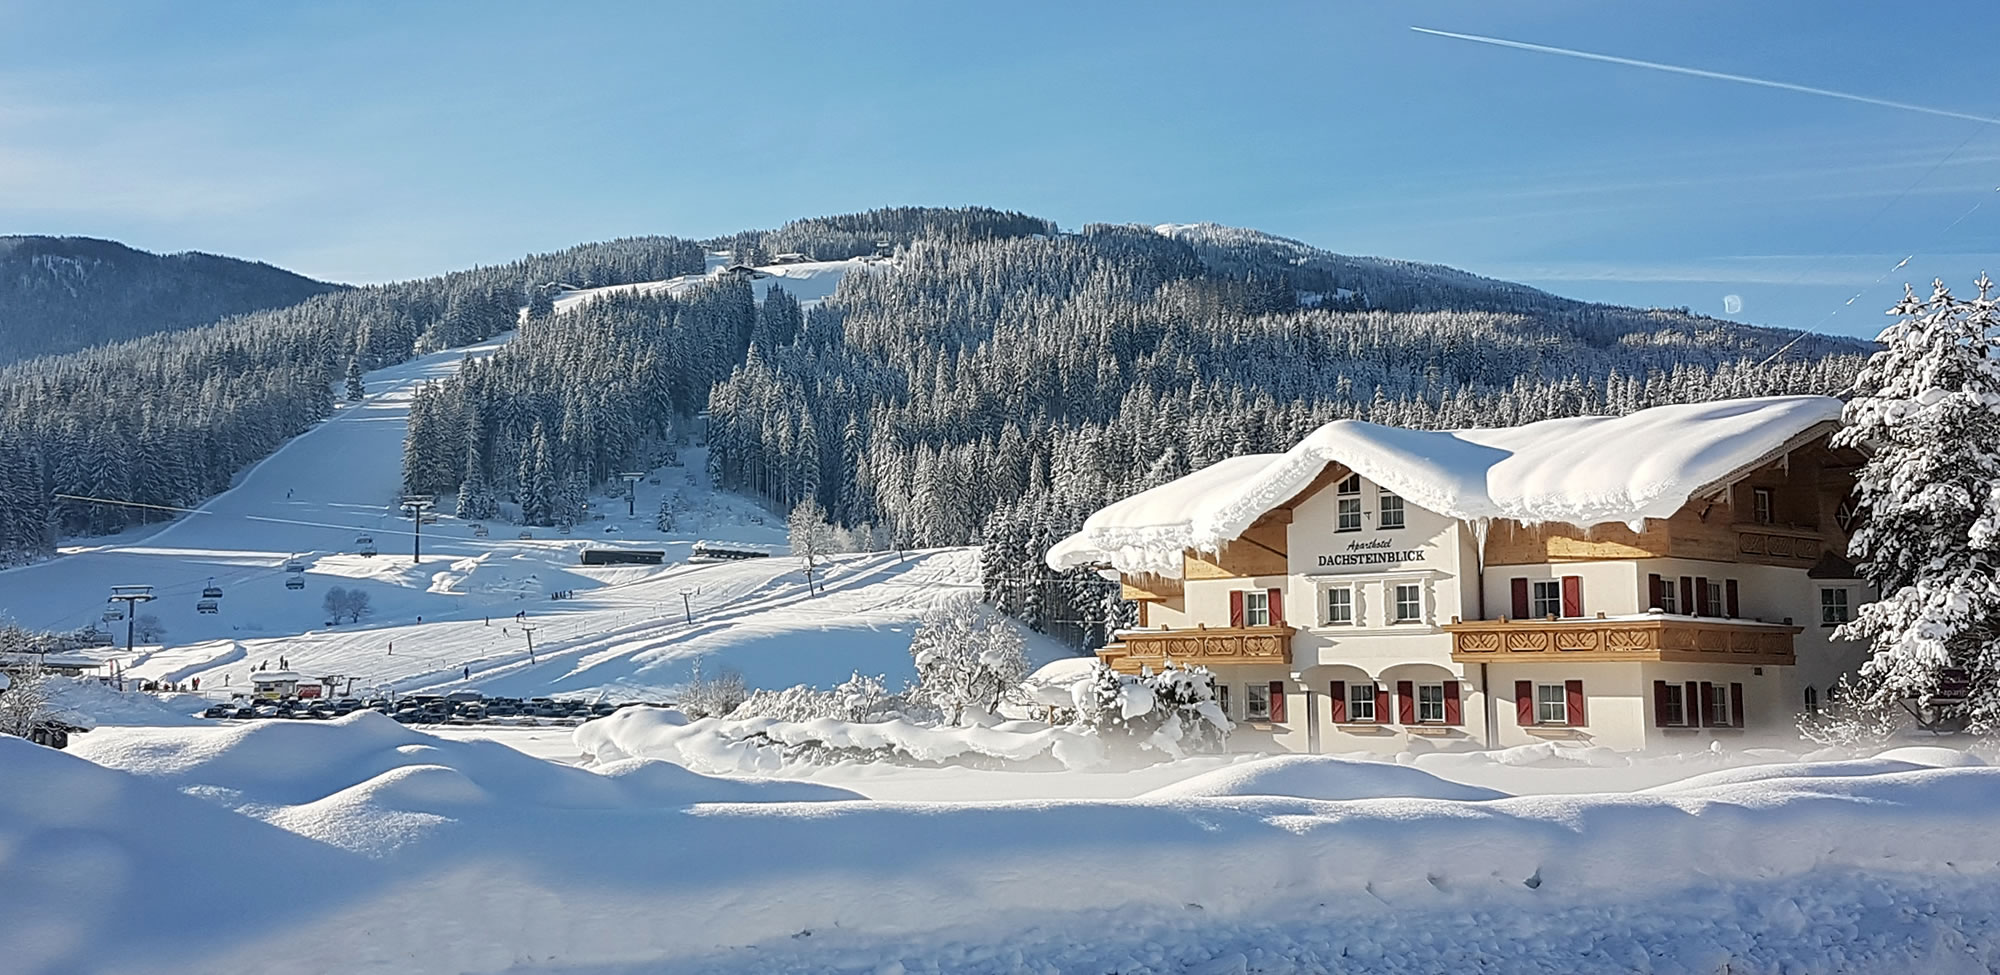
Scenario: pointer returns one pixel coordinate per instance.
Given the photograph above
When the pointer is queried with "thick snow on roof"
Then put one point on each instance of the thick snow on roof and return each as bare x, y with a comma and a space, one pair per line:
1581, 471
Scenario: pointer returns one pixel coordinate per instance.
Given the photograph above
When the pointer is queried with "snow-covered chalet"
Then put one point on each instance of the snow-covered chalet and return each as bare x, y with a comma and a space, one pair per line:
1649, 581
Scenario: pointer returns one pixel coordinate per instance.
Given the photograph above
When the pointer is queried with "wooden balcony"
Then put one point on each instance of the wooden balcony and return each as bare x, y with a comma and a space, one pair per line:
1673, 639
1778, 544
1206, 646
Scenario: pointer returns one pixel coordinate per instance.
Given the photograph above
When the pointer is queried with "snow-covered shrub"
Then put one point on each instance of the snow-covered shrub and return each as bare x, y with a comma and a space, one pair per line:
967, 656
1855, 718
1172, 711
25, 703
860, 698
712, 697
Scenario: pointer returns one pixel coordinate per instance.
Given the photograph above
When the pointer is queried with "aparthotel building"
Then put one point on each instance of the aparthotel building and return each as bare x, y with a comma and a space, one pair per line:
1650, 581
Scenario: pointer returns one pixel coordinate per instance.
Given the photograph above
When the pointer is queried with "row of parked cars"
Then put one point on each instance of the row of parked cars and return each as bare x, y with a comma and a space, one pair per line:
456, 708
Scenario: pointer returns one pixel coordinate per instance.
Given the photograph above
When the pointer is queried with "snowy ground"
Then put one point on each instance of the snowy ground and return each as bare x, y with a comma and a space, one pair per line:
810, 282
411, 853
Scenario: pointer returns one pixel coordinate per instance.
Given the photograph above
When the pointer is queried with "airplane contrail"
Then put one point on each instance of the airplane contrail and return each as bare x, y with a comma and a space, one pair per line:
1715, 75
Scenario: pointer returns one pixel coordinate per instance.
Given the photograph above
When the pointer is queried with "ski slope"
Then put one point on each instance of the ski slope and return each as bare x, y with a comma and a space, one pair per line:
450, 620
810, 282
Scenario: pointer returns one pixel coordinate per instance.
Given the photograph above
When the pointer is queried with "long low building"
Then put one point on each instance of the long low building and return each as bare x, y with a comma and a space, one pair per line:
1656, 580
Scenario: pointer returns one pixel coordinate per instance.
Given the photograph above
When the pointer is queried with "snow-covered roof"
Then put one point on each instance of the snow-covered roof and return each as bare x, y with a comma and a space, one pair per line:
274, 677
1581, 471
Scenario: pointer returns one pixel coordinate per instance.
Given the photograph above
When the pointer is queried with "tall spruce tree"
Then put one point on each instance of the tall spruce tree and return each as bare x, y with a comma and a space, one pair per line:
1927, 409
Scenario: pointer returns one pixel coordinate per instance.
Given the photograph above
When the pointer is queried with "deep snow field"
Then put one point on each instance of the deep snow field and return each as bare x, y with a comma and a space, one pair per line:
648, 843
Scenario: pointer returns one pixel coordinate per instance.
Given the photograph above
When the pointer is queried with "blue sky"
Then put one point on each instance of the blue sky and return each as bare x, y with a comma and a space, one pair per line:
375, 141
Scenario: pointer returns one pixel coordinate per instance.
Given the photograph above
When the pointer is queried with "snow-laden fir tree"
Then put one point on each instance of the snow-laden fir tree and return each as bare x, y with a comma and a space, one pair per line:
1927, 410
355, 390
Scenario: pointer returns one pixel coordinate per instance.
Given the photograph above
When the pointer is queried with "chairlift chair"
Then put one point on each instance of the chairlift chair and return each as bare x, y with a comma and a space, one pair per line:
294, 565
478, 531
295, 582
213, 591
208, 606
113, 614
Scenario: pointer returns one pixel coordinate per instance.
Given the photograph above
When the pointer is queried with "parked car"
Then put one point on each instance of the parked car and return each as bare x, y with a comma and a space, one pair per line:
219, 711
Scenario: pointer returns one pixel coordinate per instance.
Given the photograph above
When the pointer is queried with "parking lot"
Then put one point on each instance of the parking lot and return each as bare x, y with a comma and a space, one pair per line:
457, 709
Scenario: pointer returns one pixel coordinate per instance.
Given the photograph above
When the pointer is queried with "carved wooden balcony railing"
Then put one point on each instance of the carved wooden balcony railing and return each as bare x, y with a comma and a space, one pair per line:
1678, 639
1200, 645
1778, 544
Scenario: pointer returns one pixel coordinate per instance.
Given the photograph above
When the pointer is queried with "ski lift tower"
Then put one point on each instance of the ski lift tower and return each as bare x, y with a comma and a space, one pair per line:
131, 596
631, 479
415, 505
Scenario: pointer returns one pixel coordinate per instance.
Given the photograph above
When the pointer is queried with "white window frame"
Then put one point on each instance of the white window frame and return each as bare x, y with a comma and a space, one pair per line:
1670, 596
1678, 693
1256, 607
1845, 605
1347, 504
1390, 511
1718, 713
1396, 603
1540, 605
1222, 700
1717, 607
1812, 699
1763, 505
1253, 694
1430, 711
1327, 604
1359, 694
1548, 711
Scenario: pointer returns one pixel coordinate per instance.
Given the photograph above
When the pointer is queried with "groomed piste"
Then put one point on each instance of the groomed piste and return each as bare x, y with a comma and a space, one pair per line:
359, 845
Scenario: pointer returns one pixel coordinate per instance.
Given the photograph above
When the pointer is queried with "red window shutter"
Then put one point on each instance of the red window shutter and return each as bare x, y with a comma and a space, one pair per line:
1701, 606
1278, 702
1520, 599
1339, 696
1572, 589
1381, 704
1656, 589
1235, 607
1690, 698
1707, 702
1524, 703
1573, 695
1729, 597
1277, 597
1454, 712
1687, 596
1736, 704
1406, 702
1660, 717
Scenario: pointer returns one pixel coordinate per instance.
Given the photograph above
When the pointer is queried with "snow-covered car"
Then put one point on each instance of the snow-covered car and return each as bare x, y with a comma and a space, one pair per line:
267, 711
219, 711
610, 529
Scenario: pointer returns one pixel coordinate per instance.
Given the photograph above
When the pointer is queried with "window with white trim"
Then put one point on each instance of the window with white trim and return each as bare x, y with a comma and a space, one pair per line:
1673, 705
1762, 510
1430, 703
1834, 608
1256, 608
1340, 606
1388, 510
1222, 700
1670, 596
1547, 599
1361, 702
1718, 706
1716, 607
1812, 699
1347, 504
1551, 704
1256, 702
1409, 602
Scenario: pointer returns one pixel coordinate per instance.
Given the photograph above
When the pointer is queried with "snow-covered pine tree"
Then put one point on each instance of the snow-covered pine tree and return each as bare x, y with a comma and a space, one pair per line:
1927, 409
355, 389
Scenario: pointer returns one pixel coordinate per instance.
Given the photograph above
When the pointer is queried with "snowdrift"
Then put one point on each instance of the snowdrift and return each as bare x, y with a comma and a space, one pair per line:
758, 745
505, 862
1321, 777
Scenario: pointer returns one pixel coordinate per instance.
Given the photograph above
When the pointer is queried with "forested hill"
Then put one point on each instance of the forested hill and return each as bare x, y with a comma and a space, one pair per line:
59, 294
998, 380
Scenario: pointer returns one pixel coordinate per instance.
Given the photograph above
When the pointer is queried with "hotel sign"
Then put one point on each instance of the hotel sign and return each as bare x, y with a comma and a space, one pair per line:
1375, 552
